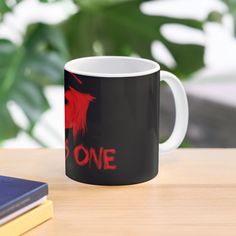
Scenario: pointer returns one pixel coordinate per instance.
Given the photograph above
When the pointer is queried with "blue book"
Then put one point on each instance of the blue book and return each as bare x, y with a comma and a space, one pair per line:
16, 194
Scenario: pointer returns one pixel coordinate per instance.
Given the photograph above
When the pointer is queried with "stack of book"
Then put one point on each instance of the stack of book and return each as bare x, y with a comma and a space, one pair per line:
23, 205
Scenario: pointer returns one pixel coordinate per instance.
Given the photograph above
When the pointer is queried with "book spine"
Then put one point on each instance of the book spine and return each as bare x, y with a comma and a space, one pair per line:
27, 221
25, 200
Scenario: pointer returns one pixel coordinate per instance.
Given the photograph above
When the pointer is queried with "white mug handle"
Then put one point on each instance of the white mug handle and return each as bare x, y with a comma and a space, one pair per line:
181, 110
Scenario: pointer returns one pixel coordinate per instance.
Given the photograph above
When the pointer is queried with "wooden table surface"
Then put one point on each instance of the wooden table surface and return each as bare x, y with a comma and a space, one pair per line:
194, 194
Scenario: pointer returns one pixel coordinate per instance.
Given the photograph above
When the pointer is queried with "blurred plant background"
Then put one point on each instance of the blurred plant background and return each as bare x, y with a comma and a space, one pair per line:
193, 39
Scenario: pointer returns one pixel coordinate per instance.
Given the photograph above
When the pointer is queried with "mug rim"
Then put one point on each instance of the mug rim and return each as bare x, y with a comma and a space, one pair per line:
155, 67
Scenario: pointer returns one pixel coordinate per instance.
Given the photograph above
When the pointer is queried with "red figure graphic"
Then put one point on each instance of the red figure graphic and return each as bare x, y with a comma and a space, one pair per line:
76, 110
67, 151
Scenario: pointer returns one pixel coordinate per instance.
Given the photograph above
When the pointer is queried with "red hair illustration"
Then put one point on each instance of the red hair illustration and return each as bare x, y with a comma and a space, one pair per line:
76, 110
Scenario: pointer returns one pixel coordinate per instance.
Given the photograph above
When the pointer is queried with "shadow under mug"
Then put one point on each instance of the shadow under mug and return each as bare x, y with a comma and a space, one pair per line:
112, 119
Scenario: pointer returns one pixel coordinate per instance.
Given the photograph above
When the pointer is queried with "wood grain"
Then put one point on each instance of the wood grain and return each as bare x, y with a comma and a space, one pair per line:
194, 194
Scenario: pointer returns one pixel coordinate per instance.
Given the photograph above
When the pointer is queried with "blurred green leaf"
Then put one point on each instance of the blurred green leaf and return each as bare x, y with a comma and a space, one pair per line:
8, 128
90, 5
49, 1
232, 9
4, 7
122, 29
186, 144
215, 16
101, 27
7, 6
26, 70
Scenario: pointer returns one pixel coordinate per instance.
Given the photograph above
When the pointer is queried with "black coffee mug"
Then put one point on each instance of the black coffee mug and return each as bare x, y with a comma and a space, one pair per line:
112, 119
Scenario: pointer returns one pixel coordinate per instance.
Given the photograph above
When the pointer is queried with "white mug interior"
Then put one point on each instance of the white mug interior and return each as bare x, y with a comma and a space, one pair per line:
112, 66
